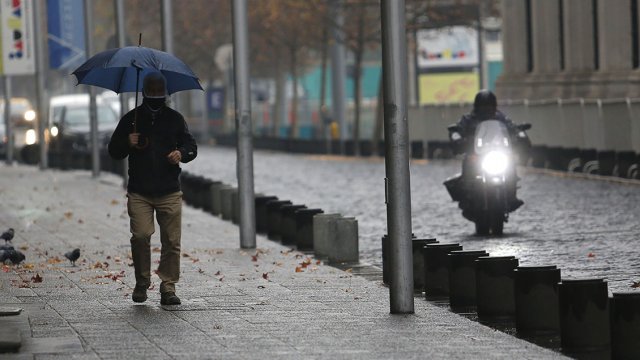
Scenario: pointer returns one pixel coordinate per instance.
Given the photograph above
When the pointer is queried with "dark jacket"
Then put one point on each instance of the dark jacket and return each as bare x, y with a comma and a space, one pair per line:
470, 121
150, 172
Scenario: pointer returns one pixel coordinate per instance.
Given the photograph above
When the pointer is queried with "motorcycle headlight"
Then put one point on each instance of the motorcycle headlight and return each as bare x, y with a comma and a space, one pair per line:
30, 137
29, 115
495, 163
54, 131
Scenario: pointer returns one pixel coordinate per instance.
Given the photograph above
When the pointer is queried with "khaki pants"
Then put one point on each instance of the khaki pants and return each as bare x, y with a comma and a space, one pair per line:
168, 210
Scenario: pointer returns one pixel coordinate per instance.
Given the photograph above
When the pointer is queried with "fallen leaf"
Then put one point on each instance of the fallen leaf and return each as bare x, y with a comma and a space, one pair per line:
591, 255
261, 287
185, 255
68, 215
24, 248
80, 221
318, 262
5, 268
195, 260
217, 273
109, 257
636, 284
200, 271
254, 258
156, 249
222, 277
28, 266
299, 269
37, 278
54, 260
217, 327
350, 270
114, 202
265, 276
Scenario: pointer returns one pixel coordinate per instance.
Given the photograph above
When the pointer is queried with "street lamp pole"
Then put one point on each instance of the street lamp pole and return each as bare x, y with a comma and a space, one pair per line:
338, 70
7, 119
243, 125
122, 42
397, 185
41, 96
93, 116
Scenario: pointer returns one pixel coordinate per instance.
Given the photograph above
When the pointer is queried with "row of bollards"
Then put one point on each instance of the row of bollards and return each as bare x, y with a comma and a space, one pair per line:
534, 299
330, 236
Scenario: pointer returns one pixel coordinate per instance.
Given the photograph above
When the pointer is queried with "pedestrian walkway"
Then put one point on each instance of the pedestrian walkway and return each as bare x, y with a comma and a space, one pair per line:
237, 304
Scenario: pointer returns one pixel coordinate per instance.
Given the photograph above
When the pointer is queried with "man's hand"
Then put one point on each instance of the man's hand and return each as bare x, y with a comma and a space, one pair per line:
174, 157
133, 139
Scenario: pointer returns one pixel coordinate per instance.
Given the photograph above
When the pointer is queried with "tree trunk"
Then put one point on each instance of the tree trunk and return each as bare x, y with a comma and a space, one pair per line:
294, 100
357, 95
280, 107
323, 81
377, 130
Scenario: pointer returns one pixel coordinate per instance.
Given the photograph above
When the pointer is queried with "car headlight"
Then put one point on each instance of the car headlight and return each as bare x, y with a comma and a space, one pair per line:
30, 137
495, 163
54, 131
29, 115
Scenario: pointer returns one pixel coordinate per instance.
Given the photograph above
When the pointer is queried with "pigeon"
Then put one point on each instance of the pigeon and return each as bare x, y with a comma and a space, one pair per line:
73, 256
6, 247
14, 256
7, 235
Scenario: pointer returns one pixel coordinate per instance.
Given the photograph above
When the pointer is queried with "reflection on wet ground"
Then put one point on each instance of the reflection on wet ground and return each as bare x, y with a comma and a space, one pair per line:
588, 228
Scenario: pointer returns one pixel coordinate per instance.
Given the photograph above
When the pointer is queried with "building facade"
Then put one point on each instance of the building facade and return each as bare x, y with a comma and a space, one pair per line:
570, 49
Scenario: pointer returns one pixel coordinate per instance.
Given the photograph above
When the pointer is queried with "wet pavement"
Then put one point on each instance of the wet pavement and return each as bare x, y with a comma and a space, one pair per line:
589, 228
269, 302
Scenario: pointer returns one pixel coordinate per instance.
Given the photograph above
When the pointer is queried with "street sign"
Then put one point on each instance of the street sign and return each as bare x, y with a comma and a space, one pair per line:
66, 38
17, 36
215, 103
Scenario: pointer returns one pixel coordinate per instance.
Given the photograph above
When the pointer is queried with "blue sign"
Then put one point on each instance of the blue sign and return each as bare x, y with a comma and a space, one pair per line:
215, 103
65, 25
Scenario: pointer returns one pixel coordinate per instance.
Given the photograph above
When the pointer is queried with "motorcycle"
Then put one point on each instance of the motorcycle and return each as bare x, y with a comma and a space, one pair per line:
486, 189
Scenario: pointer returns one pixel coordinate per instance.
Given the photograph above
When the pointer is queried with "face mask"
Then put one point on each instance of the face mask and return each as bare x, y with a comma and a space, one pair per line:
155, 102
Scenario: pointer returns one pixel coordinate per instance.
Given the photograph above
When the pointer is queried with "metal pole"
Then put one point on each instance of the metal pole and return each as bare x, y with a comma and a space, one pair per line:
93, 118
397, 189
7, 119
481, 56
338, 70
122, 42
167, 37
41, 97
243, 125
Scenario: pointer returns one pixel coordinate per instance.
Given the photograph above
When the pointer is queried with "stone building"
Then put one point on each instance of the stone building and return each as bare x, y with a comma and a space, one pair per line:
570, 49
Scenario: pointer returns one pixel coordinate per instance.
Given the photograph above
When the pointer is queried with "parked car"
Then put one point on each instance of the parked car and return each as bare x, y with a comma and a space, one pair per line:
24, 125
69, 123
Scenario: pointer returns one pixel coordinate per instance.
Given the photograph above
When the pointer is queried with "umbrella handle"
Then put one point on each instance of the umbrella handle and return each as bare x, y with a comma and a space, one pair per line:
135, 113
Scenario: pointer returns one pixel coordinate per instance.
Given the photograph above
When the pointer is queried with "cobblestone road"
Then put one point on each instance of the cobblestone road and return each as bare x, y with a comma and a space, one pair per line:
588, 228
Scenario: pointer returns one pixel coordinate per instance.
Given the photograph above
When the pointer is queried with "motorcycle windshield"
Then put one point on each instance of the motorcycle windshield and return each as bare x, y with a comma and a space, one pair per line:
491, 135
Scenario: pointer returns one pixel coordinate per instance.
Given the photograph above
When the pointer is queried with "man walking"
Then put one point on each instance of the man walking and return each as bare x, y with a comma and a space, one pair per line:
155, 145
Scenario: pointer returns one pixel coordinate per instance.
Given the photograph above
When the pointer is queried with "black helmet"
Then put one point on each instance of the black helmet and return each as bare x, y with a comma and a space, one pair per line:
484, 99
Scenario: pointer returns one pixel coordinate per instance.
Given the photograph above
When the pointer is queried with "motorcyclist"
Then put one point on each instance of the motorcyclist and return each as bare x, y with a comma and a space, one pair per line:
485, 107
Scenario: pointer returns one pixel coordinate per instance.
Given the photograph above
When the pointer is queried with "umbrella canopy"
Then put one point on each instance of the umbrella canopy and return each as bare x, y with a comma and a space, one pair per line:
121, 69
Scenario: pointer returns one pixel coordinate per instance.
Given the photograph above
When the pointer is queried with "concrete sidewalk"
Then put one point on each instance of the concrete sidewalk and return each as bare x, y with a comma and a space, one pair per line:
237, 304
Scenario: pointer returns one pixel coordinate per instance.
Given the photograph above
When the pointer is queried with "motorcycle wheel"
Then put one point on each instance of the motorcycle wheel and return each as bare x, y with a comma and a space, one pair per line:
498, 225
482, 227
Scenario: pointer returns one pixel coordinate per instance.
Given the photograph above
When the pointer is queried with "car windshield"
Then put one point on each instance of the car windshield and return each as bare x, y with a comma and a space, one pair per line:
79, 116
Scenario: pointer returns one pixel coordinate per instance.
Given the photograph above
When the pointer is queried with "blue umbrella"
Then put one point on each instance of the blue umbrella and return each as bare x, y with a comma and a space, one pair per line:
120, 70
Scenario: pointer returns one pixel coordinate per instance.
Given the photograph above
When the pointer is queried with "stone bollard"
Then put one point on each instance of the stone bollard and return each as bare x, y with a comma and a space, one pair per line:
344, 248
436, 269
304, 228
214, 192
185, 186
216, 204
418, 262
235, 208
227, 202
386, 274
536, 294
274, 219
209, 194
584, 317
288, 228
206, 194
324, 231
261, 212
462, 278
495, 287
625, 325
